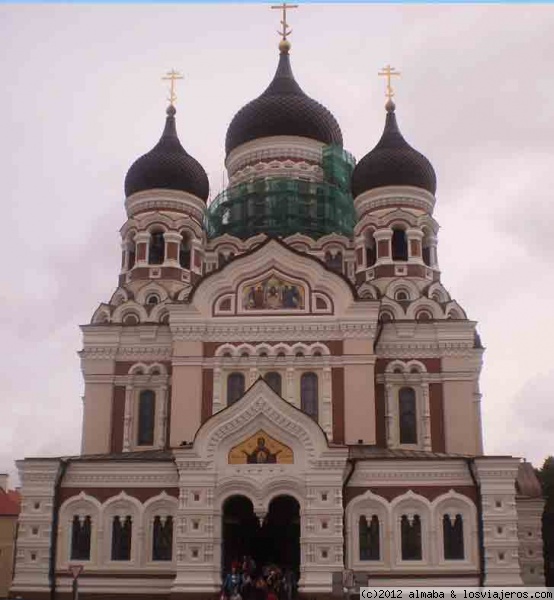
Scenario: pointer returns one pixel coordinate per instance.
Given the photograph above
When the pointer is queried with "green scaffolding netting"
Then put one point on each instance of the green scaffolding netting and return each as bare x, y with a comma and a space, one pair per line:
281, 206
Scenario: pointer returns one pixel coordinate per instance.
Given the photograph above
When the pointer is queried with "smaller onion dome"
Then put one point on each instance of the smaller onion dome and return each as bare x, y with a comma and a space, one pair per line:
393, 162
283, 109
168, 166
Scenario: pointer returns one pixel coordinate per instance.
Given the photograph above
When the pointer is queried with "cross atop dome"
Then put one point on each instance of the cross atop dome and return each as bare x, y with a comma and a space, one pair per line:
389, 72
172, 76
284, 44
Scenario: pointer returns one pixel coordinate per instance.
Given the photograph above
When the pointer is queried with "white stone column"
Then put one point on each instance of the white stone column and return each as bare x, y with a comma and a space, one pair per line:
290, 391
327, 416
383, 235
416, 235
173, 238
162, 409
217, 404
390, 415
142, 237
496, 477
128, 419
426, 415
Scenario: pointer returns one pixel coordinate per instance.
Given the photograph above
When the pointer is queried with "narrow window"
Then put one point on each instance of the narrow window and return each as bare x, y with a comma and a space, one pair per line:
122, 532
453, 536
369, 538
309, 397
156, 252
334, 262
273, 380
407, 416
146, 414
184, 251
399, 245
411, 537
235, 387
131, 253
162, 538
80, 538
370, 253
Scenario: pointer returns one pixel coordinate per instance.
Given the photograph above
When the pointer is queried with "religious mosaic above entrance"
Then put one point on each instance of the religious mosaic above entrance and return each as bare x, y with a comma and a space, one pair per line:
273, 293
260, 449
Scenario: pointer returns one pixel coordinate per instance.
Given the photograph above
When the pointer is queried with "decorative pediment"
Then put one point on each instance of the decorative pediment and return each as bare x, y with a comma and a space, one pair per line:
273, 279
233, 435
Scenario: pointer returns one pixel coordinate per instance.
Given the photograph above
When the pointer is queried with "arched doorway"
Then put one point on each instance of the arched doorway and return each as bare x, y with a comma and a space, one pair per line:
275, 541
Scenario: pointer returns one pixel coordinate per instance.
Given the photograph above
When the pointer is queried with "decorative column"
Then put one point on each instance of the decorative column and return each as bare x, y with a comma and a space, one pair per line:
216, 398
389, 415
128, 418
496, 477
433, 258
290, 395
172, 244
327, 420
162, 416
142, 241
414, 237
426, 414
383, 238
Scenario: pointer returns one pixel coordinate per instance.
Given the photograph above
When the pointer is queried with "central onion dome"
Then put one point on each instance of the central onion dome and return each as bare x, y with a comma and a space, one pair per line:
168, 166
283, 109
393, 162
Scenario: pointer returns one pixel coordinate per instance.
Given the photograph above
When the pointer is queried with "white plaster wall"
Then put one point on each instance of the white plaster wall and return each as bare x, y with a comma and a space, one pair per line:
359, 393
97, 416
459, 418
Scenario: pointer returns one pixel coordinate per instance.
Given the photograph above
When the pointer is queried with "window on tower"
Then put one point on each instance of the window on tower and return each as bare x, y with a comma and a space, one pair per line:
122, 533
453, 537
184, 251
156, 252
146, 415
410, 533
370, 250
309, 395
369, 538
131, 253
235, 387
273, 380
407, 416
162, 538
80, 538
399, 245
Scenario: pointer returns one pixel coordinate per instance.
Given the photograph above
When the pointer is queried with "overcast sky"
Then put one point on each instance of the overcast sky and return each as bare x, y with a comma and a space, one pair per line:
82, 98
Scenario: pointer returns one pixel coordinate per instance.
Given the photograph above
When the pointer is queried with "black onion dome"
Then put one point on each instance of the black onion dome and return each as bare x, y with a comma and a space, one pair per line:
168, 166
283, 109
393, 162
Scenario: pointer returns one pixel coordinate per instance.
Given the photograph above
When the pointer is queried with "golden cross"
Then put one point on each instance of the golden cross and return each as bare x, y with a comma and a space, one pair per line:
172, 76
388, 72
285, 32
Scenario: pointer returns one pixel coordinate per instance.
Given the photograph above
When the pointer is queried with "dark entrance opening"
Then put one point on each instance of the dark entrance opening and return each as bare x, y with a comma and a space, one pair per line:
275, 541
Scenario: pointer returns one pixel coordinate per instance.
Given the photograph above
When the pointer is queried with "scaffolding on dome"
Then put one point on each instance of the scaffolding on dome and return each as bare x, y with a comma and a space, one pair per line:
279, 206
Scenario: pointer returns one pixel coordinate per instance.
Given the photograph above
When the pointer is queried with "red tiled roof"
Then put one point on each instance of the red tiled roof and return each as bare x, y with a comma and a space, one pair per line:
10, 503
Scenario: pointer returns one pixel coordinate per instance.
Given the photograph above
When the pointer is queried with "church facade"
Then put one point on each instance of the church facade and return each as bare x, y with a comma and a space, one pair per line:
279, 374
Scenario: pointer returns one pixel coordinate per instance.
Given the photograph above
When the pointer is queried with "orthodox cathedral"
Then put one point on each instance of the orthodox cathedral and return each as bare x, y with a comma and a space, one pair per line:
279, 374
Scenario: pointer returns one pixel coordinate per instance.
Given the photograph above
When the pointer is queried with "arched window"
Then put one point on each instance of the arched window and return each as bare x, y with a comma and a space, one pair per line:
453, 537
146, 414
407, 417
334, 261
401, 295
122, 533
152, 299
386, 317
80, 538
130, 319
235, 387
273, 380
162, 538
131, 253
156, 252
411, 537
399, 245
369, 538
309, 396
370, 253
184, 251
423, 315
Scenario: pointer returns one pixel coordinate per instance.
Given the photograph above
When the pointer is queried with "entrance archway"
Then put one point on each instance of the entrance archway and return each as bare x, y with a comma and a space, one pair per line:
275, 541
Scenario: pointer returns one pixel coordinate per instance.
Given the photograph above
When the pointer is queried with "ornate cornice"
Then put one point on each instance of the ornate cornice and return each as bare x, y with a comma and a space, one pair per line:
267, 332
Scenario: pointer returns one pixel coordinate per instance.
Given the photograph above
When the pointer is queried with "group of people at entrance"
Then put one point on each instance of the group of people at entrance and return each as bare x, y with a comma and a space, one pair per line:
248, 582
